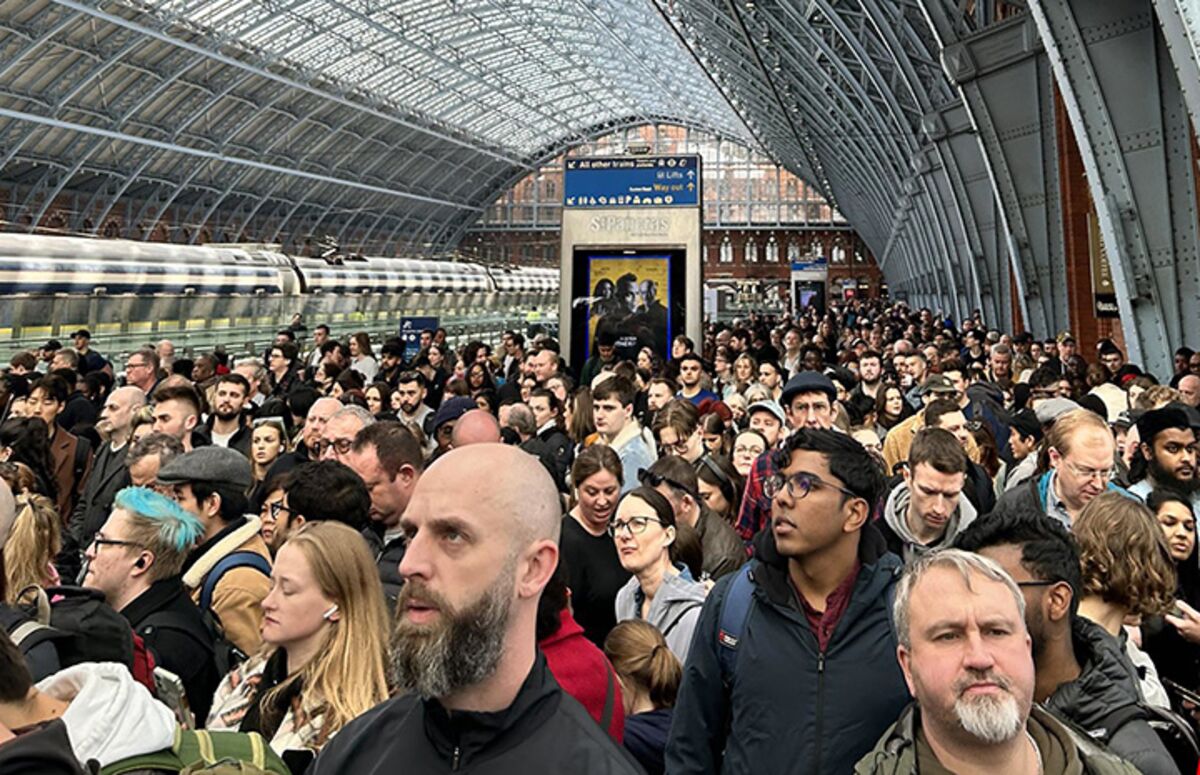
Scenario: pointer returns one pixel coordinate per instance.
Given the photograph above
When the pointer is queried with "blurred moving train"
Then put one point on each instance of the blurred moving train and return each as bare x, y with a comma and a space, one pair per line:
133, 287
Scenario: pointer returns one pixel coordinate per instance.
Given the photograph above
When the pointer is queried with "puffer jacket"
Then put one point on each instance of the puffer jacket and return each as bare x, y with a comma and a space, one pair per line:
899, 536
838, 702
674, 610
1108, 683
1075, 754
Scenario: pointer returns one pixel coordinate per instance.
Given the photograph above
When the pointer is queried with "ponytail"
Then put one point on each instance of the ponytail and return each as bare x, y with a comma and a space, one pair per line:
639, 654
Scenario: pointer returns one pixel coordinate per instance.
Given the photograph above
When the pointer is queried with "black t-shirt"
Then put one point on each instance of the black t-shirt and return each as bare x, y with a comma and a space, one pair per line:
595, 575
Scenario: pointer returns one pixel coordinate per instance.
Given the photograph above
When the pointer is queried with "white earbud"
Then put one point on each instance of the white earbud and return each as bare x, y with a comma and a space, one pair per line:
332, 610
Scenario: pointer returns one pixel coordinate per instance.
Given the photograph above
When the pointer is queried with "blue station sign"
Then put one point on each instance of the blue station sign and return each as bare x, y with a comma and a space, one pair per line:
639, 181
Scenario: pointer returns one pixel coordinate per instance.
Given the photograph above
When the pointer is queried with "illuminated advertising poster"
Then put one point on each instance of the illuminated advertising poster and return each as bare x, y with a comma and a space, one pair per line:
629, 298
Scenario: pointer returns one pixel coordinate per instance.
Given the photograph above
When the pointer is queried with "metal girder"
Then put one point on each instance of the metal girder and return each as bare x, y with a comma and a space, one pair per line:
996, 71
1179, 21
1130, 121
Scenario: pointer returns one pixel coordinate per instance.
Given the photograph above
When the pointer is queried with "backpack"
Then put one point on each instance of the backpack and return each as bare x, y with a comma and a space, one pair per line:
210, 635
1173, 730
241, 559
84, 628
200, 751
735, 612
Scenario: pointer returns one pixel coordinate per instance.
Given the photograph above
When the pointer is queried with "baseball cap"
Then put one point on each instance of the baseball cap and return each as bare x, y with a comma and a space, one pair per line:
769, 405
52, 345
1065, 336
213, 465
82, 332
937, 383
451, 410
808, 382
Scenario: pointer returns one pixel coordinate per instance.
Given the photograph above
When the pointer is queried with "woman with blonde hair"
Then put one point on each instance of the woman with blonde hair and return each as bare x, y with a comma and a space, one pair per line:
745, 372
324, 649
1127, 571
32, 546
650, 676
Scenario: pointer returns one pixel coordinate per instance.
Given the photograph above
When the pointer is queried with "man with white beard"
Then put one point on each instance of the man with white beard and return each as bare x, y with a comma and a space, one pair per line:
1083, 675
968, 661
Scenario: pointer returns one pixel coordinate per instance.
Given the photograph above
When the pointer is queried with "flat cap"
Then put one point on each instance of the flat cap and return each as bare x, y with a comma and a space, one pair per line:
1052, 408
212, 465
808, 382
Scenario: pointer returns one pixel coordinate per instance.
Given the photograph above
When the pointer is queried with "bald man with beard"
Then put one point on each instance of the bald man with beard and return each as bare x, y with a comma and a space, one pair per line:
476, 694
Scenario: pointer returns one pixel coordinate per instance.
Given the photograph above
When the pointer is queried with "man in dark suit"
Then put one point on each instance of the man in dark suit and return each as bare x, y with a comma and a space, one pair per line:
109, 475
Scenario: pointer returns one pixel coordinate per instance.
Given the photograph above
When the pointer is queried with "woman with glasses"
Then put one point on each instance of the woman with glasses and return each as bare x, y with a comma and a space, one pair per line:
661, 592
273, 511
324, 654
747, 446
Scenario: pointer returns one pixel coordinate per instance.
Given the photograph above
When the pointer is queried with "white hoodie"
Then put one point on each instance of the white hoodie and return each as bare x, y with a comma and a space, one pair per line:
111, 716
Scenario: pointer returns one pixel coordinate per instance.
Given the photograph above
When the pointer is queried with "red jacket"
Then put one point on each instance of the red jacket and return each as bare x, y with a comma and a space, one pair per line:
584, 673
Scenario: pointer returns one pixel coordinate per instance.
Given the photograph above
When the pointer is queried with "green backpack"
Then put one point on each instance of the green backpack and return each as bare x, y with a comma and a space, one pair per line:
200, 751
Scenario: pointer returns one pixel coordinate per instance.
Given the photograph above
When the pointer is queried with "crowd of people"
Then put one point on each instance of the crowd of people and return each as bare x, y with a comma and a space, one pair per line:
867, 540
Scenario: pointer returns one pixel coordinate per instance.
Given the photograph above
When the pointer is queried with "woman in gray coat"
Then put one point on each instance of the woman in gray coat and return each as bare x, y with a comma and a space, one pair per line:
661, 592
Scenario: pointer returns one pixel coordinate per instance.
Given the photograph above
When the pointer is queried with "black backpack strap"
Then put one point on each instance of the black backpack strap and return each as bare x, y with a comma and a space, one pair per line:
177, 622
610, 701
671, 626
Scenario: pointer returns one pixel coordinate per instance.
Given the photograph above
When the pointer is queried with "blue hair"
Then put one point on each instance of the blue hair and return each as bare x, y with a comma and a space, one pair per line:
177, 527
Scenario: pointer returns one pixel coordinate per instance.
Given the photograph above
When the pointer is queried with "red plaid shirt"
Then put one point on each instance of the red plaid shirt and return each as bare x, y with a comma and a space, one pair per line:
755, 513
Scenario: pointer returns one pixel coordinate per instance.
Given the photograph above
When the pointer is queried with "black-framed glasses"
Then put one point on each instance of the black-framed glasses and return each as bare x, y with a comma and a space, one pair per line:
799, 485
274, 509
1024, 584
97, 541
131, 365
652, 479
340, 446
635, 525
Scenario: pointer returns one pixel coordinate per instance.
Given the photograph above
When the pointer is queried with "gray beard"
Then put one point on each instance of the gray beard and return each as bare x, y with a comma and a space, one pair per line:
459, 651
991, 720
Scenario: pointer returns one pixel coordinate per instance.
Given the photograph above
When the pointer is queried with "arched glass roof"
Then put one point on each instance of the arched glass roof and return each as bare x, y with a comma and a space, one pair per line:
517, 75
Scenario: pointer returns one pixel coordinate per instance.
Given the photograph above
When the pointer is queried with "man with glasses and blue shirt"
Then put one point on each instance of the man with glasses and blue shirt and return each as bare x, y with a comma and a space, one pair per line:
1082, 454
805, 626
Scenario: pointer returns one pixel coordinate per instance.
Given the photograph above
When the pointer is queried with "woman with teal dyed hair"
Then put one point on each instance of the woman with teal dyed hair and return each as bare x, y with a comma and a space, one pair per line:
137, 560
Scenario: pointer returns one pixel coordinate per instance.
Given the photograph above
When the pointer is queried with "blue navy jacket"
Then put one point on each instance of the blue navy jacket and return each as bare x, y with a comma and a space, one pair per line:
791, 708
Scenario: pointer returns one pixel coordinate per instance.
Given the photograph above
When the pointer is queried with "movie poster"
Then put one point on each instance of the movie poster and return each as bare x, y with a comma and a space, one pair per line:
630, 296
